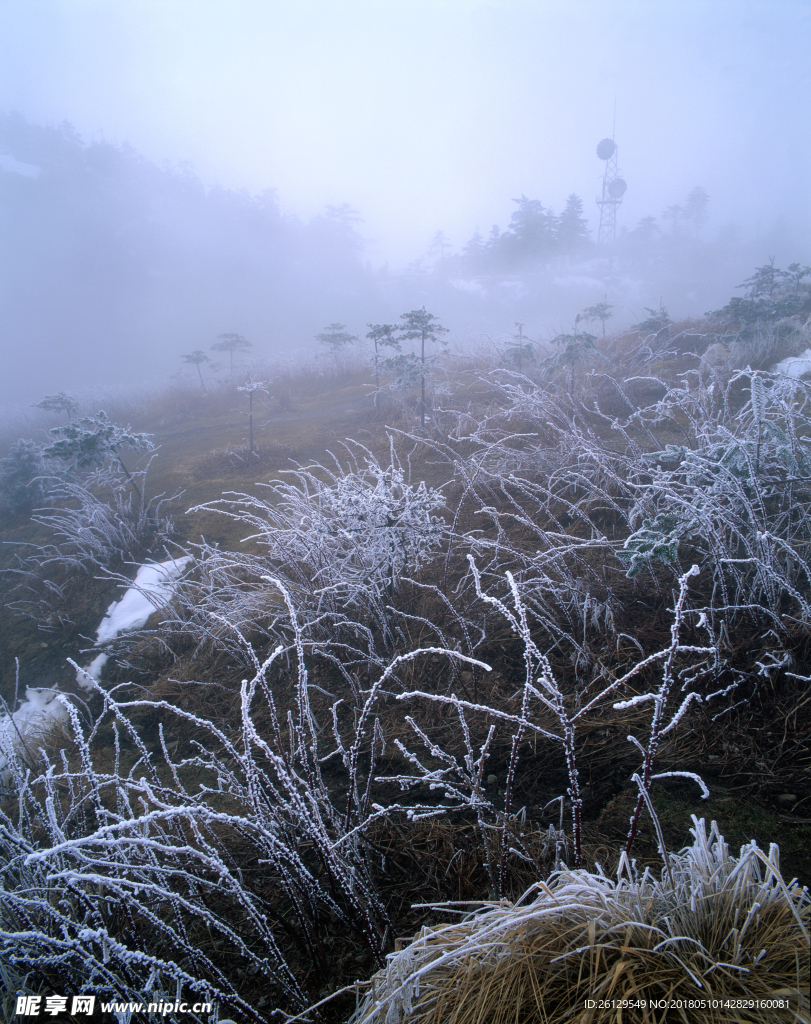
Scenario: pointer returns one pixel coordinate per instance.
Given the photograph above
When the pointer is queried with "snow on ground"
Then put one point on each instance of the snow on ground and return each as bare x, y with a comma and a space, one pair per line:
579, 281
469, 285
151, 589
26, 729
794, 366
10, 163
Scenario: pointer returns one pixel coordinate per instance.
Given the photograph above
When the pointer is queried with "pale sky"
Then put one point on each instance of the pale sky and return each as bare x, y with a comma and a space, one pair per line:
433, 114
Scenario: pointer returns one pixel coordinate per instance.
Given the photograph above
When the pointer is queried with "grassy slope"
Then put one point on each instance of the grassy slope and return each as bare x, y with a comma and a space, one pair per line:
747, 763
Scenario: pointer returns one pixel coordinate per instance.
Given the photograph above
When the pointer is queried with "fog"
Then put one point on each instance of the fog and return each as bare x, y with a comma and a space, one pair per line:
171, 172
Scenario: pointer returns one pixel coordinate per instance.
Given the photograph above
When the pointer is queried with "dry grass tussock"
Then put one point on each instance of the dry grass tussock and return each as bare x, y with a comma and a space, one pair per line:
712, 931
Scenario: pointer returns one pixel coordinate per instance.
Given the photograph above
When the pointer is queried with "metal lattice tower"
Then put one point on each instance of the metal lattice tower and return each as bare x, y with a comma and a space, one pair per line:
613, 190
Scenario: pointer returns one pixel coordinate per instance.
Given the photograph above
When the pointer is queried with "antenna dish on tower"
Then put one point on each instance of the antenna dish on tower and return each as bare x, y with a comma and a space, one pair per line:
616, 188
606, 149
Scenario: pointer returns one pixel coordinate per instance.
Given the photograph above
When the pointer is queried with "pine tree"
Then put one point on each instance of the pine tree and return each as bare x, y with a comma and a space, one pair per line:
420, 324
196, 358
695, 209
231, 343
336, 337
88, 443
474, 254
530, 236
601, 311
61, 402
382, 336
571, 229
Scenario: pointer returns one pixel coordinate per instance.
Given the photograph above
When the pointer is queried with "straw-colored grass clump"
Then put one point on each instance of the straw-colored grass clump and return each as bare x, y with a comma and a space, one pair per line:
716, 938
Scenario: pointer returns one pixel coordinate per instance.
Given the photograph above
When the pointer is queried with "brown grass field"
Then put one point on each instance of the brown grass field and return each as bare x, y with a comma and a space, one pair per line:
755, 760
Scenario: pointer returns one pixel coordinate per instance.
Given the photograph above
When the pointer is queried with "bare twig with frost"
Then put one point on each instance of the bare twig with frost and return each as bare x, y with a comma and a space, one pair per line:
541, 697
118, 888
659, 699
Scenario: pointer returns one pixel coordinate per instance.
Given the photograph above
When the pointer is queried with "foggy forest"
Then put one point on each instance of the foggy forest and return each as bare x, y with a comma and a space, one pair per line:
405, 505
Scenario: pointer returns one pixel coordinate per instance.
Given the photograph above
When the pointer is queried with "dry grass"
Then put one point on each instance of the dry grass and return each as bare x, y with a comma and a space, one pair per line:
716, 938
582, 933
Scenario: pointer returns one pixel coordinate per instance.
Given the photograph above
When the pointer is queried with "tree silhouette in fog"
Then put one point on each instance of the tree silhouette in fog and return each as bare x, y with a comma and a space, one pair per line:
423, 326
382, 336
231, 343
336, 337
196, 358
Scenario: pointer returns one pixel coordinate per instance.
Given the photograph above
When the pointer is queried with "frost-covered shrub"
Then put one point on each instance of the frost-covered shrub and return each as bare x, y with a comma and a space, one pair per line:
551, 711
25, 478
737, 493
95, 443
117, 859
90, 531
770, 321
543, 496
342, 541
89, 535
107, 882
772, 296
577, 496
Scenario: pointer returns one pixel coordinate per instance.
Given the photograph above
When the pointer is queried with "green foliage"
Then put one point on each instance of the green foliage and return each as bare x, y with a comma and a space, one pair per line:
534, 236
423, 326
600, 311
519, 351
739, 496
520, 355
574, 346
381, 336
405, 369
531, 234
656, 540
571, 227
90, 441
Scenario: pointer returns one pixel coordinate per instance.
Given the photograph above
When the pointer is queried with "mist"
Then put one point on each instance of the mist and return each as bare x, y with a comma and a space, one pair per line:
405, 509
172, 172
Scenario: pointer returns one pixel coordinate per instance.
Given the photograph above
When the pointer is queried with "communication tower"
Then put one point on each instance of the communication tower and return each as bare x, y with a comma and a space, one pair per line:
613, 190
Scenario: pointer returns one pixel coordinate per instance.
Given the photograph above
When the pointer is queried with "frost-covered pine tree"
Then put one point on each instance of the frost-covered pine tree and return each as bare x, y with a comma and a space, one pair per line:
92, 442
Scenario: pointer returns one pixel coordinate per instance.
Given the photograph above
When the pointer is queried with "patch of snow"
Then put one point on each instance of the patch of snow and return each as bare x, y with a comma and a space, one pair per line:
517, 287
794, 366
29, 725
151, 589
579, 281
10, 163
472, 287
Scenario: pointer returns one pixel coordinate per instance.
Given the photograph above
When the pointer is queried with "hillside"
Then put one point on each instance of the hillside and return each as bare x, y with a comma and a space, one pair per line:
403, 663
